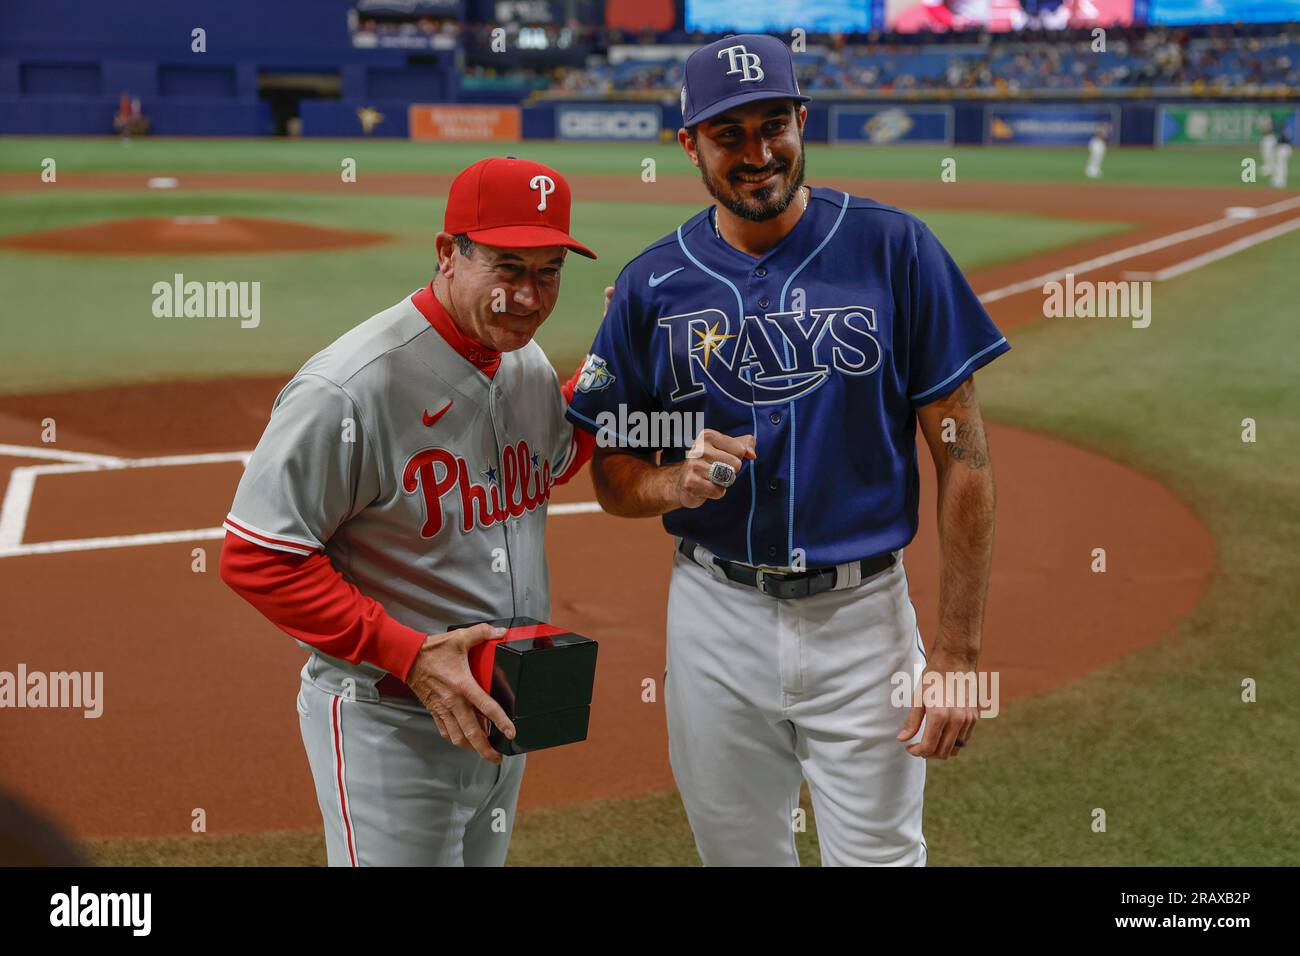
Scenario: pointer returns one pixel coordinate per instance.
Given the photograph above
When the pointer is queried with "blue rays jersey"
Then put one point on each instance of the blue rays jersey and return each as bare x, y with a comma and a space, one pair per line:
822, 349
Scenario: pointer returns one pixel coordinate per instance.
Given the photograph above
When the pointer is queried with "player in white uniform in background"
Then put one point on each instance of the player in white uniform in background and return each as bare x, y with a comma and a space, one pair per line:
1281, 159
400, 489
1097, 151
1267, 146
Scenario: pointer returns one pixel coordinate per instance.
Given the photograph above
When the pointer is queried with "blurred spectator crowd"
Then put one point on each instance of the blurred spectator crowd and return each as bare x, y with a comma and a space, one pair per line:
417, 26
1204, 61
1153, 58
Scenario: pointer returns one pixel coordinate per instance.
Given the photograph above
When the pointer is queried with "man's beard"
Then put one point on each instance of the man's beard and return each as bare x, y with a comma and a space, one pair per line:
761, 206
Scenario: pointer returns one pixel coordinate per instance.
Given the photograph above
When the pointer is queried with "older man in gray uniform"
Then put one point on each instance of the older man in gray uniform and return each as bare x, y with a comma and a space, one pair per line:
400, 488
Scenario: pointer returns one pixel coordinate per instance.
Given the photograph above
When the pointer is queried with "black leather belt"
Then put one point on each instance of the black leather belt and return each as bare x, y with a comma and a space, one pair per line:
788, 584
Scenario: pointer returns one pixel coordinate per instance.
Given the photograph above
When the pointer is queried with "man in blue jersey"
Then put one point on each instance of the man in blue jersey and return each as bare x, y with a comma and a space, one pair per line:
811, 330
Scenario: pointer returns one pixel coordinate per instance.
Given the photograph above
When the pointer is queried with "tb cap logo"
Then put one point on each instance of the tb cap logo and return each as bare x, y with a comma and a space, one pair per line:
544, 185
741, 61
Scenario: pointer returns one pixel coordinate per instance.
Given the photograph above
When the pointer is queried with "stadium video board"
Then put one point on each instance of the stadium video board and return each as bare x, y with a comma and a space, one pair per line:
1183, 12
1004, 16
814, 16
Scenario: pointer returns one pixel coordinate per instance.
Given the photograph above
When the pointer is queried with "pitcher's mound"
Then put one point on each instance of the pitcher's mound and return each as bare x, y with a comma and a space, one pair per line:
178, 235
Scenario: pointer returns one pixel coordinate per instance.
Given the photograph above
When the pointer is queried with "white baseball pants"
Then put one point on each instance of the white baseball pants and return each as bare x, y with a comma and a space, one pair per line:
762, 693
1267, 147
1281, 160
392, 792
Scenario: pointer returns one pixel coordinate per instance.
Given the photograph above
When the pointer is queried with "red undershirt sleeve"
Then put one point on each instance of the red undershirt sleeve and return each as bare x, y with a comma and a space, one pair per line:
585, 440
306, 597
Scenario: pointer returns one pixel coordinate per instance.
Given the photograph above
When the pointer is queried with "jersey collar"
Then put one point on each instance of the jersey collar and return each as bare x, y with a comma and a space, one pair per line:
790, 238
486, 360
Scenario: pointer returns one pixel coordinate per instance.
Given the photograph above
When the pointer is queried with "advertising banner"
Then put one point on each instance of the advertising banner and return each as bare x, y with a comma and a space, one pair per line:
629, 121
883, 125
457, 122
1220, 125
1048, 125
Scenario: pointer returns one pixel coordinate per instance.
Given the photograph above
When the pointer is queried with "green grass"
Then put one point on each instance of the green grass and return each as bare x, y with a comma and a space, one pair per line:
280, 848
309, 299
650, 830
1180, 167
1188, 774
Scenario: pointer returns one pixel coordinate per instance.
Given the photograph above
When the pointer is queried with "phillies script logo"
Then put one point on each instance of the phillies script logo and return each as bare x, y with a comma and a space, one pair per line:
435, 471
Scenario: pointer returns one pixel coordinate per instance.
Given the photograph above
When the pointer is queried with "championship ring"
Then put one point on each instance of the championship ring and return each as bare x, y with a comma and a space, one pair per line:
722, 474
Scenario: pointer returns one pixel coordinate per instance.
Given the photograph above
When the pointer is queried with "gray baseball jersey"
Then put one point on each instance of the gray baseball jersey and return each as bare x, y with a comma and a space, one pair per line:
424, 481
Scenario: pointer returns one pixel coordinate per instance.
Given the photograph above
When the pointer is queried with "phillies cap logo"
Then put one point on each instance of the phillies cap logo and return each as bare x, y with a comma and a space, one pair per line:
741, 61
545, 185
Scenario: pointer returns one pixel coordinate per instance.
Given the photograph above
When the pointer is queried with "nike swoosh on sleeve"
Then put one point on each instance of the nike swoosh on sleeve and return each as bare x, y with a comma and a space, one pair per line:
655, 280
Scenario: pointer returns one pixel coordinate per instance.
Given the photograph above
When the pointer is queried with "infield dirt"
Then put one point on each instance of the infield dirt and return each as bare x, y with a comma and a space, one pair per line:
182, 235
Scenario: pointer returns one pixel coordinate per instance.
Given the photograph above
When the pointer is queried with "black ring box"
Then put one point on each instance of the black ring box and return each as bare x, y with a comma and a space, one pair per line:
542, 676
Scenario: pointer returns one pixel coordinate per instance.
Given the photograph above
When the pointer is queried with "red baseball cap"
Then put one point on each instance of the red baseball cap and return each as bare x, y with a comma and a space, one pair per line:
513, 203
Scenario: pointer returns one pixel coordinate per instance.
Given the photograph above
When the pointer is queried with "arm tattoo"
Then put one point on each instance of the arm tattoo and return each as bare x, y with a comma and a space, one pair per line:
961, 415
969, 445
973, 457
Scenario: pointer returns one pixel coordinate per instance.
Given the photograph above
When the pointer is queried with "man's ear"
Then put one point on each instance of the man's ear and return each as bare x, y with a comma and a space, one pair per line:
445, 249
692, 152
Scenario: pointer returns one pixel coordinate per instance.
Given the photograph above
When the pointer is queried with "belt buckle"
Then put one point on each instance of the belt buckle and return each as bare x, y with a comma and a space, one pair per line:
762, 576
778, 578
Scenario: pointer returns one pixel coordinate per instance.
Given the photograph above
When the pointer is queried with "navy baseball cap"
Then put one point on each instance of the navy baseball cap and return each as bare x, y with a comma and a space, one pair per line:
726, 73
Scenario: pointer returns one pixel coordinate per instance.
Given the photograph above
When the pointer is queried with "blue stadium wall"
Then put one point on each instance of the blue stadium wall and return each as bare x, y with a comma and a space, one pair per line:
64, 63
1136, 119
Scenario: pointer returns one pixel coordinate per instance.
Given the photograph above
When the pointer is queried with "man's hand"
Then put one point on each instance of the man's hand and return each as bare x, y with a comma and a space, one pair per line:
943, 725
442, 680
693, 486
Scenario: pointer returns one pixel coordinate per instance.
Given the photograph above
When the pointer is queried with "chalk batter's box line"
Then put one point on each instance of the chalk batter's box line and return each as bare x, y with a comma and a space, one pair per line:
22, 486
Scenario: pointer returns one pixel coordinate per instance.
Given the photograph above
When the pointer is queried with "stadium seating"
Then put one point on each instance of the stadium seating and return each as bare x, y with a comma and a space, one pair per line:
1158, 59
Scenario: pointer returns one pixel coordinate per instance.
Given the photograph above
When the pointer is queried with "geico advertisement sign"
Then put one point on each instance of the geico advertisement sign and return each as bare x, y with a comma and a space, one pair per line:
609, 124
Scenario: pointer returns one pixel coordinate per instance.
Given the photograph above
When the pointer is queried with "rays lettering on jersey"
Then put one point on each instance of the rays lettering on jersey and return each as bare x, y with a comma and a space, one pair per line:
783, 357
435, 471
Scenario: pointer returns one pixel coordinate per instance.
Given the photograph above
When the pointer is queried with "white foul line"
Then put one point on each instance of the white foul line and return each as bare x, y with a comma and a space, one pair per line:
1129, 252
1214, 255
575, 508
116, 464
13, 512
114, 541
53, 454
